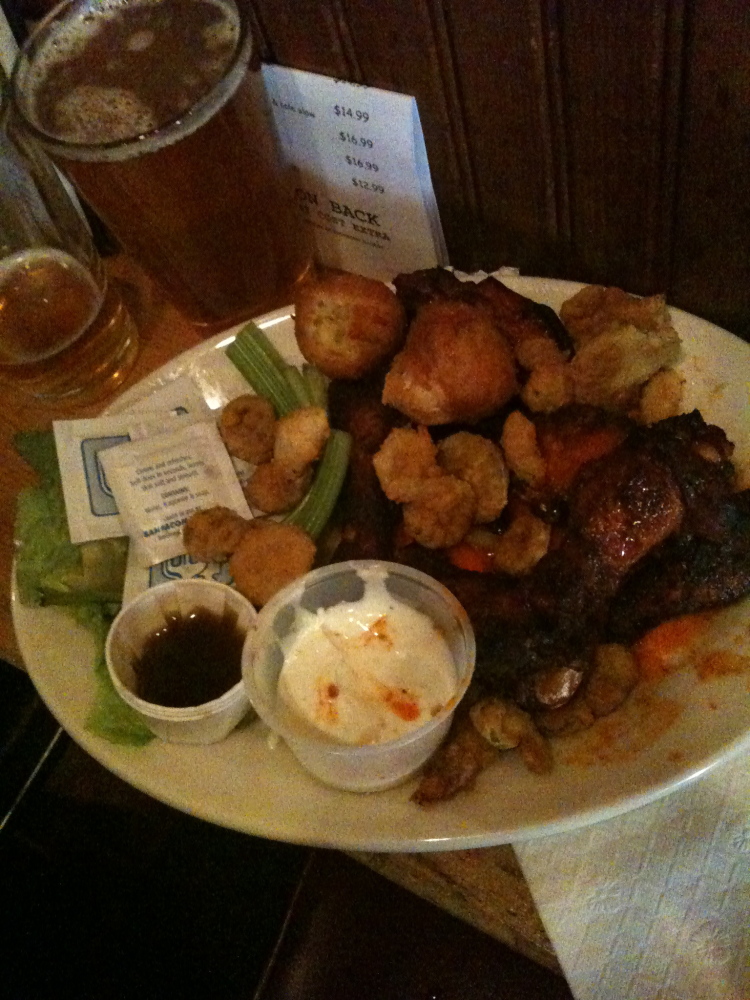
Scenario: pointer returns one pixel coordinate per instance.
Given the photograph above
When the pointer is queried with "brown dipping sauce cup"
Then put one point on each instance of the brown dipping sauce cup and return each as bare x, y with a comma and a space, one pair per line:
158, 114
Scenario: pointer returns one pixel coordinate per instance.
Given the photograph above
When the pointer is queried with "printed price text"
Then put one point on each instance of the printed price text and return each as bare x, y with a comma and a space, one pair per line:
360, 116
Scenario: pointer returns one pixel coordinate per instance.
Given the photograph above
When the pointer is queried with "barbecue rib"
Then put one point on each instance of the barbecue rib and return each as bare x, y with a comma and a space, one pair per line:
647, 530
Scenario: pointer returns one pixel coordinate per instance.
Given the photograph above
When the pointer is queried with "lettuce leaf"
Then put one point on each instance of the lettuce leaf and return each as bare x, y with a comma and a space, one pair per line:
50, 569
85, 580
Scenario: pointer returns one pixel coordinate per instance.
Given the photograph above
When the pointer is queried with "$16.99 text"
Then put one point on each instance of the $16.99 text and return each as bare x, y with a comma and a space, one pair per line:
356, 140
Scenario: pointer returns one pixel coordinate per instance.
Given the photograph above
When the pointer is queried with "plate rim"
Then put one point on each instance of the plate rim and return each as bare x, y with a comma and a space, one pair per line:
111, 756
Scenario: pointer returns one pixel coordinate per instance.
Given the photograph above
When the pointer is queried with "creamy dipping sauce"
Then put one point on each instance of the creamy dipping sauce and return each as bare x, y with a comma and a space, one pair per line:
368, 671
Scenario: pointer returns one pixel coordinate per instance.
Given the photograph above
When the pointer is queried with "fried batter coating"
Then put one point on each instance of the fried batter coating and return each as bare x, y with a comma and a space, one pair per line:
456, 764
609, 370
406, 458
274, 487
538, 352
269, 556
521, 449
621, 341
300, 437
442, 512
506, 726
661, 396
248, 427
597, 309
347, 325
613, 676
479, 462
522, 545
456, 366
213, 534
548, 388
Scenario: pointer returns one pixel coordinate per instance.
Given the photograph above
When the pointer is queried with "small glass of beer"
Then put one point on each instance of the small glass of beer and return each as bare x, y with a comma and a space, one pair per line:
157, 113
65, 334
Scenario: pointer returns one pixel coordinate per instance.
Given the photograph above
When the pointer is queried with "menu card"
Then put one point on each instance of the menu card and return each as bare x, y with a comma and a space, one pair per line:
362, 181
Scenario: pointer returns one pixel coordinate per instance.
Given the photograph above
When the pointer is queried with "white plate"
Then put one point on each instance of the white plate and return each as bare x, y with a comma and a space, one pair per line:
246, 784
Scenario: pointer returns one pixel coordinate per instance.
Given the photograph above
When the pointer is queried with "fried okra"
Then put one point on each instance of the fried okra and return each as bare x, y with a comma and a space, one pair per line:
269, 556
212, 535
248, 428
275, 488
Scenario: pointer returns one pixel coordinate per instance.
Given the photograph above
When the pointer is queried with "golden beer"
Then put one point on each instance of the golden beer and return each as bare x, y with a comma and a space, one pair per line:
60, 335
155, 112
65, 334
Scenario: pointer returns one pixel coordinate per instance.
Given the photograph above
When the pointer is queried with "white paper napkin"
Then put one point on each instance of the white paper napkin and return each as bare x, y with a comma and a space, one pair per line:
654, 903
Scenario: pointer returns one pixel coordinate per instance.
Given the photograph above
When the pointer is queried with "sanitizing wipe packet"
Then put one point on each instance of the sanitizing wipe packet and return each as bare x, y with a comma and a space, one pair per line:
89, 502
160, 481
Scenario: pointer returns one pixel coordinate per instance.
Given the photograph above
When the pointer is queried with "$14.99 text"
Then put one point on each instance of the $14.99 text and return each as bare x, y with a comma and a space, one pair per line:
360, 116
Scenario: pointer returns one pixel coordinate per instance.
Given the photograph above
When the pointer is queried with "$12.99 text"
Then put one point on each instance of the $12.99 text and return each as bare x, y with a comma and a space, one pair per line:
367, 186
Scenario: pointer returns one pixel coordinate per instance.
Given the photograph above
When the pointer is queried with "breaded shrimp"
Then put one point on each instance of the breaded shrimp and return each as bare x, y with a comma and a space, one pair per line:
300, 437
270, 556
406, 458
521, 545
441, 513
521, 449
613, 676
274, 488
212, 535
538, 352
505, 726
548, 388
479, 462
248, 427
661, 396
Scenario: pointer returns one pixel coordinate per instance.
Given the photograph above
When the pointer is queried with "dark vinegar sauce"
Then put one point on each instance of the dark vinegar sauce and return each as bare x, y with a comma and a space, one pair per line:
193, 659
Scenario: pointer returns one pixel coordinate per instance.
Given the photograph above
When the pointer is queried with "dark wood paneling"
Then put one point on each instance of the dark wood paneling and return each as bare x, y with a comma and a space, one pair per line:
594, 140
711, 270
614, 63
499, 57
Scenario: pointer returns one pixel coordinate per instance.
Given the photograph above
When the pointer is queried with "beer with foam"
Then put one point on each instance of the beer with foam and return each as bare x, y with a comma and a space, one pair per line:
156, 110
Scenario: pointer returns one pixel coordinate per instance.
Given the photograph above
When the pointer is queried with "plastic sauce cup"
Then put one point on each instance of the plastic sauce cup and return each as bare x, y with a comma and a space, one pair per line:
139, 620
376, 766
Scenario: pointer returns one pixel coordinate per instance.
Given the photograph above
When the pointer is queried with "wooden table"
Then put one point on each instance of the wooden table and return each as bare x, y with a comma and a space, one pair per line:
484, 887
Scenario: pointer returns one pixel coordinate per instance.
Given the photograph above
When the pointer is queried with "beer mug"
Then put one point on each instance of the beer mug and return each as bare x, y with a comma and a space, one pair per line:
65, 333
158, 114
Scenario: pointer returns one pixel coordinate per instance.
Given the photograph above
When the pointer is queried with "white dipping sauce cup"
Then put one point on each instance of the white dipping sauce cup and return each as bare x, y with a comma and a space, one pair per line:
139, 620
376, 766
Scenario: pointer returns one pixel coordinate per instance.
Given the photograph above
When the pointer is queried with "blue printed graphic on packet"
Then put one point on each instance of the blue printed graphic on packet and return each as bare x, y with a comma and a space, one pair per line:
101, 500
186, 568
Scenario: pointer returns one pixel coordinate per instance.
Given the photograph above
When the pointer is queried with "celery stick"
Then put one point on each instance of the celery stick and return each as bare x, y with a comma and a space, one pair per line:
317, 385
313, 512
261, 364
298, 386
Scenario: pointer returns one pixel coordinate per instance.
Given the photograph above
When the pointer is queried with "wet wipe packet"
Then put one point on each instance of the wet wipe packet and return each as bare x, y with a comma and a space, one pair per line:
158, 482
